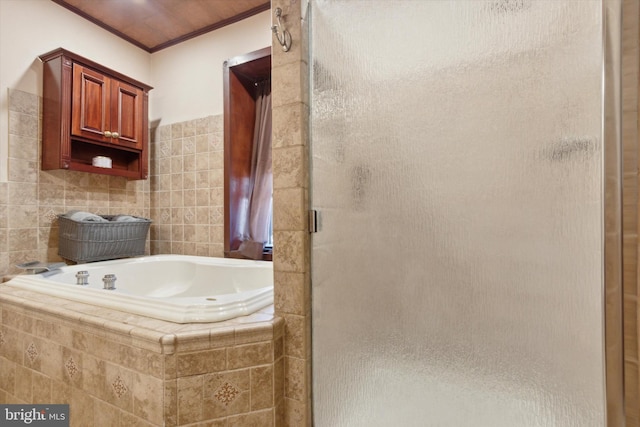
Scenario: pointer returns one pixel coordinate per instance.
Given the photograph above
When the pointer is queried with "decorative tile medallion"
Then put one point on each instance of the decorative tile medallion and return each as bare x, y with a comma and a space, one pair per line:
165, 149
50, 216
32, 352
189, 145
165, 216
119, 387
226, 393
1, 338
71, 366
189, 215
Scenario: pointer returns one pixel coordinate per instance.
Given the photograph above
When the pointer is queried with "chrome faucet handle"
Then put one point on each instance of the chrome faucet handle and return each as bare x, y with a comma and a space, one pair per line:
109, 281
82, 278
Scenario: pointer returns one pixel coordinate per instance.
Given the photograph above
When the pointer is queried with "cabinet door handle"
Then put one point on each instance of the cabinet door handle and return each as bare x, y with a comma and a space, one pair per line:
107, 134
115, 135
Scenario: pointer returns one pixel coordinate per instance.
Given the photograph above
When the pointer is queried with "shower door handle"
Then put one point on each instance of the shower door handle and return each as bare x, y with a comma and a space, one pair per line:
313, 221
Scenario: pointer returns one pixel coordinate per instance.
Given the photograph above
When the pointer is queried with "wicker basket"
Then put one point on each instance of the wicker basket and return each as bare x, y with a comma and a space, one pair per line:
99, 241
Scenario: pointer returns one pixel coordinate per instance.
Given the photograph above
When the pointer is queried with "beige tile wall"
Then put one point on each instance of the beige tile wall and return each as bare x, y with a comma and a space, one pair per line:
116, 369
31, 199
187, 188
184, 195
630, 75
290, 84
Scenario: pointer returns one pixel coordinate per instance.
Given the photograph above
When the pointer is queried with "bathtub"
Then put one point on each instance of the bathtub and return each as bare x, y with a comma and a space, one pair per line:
176, 288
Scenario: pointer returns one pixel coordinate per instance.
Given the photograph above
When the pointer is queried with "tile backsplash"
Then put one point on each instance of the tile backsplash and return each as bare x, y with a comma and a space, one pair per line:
183, 196
187, 187
31, 199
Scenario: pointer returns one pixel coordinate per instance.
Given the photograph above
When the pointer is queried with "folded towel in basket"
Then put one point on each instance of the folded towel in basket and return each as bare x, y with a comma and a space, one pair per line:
85, 216
126, 218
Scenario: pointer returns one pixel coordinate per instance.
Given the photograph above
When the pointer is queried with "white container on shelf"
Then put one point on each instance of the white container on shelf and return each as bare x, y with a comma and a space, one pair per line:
102, 162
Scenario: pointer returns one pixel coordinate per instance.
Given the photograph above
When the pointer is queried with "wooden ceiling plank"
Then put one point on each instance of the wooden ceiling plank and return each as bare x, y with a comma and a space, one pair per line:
153, 25
101, 24
212, 27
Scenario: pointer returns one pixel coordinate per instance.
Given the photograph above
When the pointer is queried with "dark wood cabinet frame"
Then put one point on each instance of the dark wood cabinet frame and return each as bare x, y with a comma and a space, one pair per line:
62, 148
240, 76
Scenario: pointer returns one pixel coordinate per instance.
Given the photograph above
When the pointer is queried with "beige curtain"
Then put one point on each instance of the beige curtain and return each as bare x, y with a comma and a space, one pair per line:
261, 176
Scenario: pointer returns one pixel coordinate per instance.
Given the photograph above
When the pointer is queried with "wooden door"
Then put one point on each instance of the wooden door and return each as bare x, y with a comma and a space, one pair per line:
90, 105
127, 115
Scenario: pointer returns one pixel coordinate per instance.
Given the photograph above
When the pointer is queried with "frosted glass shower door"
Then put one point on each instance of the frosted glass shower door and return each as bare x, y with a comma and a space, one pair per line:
456, 165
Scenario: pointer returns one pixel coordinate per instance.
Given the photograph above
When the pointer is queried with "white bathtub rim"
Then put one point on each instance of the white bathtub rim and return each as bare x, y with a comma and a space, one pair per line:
184, 310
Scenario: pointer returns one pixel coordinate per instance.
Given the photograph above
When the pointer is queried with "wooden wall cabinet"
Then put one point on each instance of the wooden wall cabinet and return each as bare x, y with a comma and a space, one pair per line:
90, 110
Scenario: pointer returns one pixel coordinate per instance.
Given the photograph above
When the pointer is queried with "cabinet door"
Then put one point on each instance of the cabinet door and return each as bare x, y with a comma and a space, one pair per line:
90, 107
127, 114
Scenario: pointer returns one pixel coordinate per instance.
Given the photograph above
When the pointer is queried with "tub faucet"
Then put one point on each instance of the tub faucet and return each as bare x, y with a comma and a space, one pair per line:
109, 281
82, 278
37, 267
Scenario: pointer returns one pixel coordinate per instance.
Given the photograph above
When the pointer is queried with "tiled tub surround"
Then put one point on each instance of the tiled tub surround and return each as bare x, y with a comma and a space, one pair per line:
187, 187
31, 199
184, 195
118, 369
